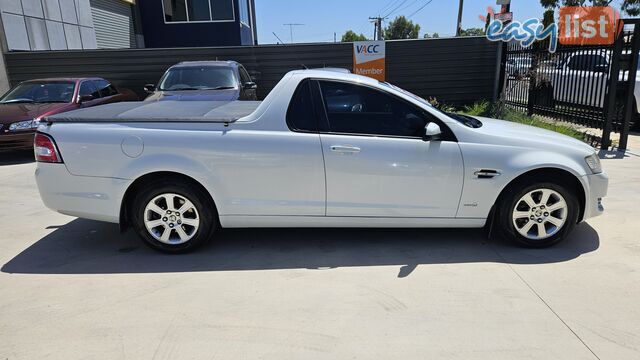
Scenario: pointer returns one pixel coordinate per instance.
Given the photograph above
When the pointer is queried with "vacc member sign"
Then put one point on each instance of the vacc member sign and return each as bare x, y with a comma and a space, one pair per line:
369, 59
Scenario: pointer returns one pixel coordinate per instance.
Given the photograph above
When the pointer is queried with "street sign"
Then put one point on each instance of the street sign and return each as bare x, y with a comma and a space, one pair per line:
369, 59
504, 16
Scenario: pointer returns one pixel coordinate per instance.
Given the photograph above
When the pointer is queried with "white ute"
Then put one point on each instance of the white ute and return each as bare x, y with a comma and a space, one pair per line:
324, 149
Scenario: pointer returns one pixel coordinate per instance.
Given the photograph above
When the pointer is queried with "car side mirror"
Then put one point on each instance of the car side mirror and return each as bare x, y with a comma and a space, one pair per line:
149, 88
84, 98
250, 85
432, 132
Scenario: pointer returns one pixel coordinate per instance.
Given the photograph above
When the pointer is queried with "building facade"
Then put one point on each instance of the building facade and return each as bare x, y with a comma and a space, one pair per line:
36, 25
47, 25
196, 23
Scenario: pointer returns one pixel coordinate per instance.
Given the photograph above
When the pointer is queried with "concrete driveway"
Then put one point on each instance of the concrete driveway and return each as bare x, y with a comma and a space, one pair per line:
73, 289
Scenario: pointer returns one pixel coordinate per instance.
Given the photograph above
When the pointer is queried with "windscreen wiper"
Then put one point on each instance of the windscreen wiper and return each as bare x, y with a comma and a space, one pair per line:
219, 88
181, 89
18, 101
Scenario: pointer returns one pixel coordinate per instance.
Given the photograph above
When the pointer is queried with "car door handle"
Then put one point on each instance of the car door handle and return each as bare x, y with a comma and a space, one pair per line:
345, 149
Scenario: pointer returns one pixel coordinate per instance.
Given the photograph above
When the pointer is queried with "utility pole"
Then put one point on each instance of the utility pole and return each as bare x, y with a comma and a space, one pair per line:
291, 29
502, 50
377, 23
459, 23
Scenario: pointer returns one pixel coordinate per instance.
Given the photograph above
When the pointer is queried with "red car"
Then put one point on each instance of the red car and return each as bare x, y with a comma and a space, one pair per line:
23, 106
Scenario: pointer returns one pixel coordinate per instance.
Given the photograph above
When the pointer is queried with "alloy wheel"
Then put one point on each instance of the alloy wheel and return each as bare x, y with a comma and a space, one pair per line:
540, 214
171, 219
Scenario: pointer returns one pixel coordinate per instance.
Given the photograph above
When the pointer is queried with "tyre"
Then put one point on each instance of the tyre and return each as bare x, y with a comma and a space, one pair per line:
173, 217
537, 215
636, 121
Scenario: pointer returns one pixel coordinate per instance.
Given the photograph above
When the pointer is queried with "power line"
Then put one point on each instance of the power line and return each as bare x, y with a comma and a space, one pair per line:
420, 9
396, 8
389, 5
409, 5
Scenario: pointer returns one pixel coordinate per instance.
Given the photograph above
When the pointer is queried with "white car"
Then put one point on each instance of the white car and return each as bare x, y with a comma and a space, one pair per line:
582, 79
324, 149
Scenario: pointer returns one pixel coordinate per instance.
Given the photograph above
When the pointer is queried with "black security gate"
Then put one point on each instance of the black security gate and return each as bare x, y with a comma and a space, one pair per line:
587, 85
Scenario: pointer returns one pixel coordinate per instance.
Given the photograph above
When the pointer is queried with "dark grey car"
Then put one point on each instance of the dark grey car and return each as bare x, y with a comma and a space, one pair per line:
204, 81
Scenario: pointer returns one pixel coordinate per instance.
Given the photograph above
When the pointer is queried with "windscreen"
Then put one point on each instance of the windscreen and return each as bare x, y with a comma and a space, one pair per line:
465, 120
40, 92
199, 78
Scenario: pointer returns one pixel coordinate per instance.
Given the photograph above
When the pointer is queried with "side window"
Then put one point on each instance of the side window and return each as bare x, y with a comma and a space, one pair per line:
355, 109
105, 88
301, 115
87, 88
244, 75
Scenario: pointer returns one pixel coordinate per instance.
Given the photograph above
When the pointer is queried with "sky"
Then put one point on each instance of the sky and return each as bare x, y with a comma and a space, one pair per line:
321, 18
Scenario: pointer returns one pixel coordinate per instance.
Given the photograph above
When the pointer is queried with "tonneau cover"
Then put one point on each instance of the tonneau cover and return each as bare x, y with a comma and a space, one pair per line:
160, 111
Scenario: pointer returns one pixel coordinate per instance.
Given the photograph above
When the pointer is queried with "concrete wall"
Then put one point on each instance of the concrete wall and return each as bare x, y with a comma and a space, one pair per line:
4, 79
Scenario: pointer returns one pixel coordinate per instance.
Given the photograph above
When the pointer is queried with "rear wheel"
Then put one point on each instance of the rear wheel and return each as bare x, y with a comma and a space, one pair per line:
537, 215
173, 217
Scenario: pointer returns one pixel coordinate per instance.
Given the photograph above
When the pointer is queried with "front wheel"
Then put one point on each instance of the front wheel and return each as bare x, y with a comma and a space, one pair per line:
173, 217
537, 215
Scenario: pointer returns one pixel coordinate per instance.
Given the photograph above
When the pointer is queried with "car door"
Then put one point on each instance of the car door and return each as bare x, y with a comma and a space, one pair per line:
376, 161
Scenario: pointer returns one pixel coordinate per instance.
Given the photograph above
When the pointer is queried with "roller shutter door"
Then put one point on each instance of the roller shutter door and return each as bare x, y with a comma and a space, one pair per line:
113, 22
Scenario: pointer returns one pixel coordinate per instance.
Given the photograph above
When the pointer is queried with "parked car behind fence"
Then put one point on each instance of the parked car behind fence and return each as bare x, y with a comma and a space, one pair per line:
204, 81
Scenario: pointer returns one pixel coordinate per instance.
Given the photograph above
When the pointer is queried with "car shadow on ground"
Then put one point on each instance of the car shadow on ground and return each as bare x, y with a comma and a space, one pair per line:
89, 247
16, 157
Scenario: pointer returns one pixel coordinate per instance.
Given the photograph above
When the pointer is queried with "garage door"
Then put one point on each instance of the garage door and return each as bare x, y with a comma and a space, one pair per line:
113, 21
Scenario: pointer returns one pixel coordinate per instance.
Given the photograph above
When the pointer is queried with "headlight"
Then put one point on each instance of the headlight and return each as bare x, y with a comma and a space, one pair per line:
24, 125
593, 161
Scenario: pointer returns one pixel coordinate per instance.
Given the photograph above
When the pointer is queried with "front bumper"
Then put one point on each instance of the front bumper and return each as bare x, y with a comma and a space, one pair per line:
16, 141
597, 187
94, 198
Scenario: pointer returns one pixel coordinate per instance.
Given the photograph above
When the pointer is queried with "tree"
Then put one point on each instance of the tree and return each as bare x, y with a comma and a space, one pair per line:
630, 7
435, 35
351, 36
401, 28
472, 32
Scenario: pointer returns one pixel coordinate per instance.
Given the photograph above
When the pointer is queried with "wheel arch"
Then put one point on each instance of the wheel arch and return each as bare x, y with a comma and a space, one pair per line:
561, 176
141, 181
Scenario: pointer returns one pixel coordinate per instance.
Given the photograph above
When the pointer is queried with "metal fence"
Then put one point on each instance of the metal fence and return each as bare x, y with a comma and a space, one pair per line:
456, 71
587, 85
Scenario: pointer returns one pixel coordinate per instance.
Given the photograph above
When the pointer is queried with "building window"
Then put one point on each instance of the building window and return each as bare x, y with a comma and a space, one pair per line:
197, 10
245, 17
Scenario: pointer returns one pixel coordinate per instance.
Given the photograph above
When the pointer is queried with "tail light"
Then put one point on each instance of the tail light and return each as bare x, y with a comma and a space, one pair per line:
45, 149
